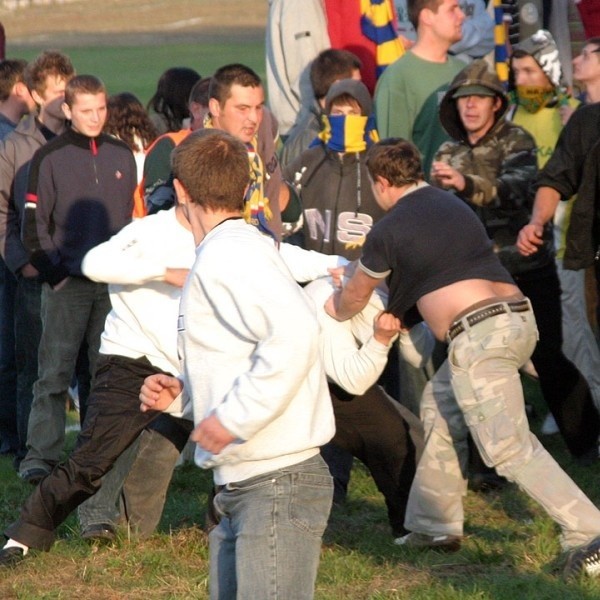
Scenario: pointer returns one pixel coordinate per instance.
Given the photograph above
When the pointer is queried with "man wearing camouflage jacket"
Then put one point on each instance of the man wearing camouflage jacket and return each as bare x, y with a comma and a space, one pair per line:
490, 163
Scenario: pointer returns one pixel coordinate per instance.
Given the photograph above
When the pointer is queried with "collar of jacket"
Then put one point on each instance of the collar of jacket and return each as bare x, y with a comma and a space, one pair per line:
83, 141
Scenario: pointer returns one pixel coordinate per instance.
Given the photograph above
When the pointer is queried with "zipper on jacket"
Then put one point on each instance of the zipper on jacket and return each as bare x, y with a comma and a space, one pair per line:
94, 150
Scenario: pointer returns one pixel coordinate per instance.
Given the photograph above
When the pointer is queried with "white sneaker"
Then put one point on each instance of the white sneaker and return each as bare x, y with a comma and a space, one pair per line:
549, 426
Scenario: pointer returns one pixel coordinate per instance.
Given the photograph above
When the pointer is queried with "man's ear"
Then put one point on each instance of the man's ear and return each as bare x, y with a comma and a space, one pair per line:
381, 183
497, 103
66, 110
214, 107
182, 195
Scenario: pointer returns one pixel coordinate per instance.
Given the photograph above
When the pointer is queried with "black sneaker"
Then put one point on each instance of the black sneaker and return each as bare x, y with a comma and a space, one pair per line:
585, 559
9, 557
33, 476
99, 532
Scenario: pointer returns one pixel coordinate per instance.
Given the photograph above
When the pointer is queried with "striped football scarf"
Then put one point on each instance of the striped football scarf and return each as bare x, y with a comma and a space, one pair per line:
501, 45
351, 133
378, 25
256, 205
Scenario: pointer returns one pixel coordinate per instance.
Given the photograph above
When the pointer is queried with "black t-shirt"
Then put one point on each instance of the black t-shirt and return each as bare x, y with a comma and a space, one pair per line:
428, 240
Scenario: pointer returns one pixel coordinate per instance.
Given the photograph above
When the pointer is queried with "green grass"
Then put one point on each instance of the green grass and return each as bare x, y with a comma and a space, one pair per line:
136, 69
511, 550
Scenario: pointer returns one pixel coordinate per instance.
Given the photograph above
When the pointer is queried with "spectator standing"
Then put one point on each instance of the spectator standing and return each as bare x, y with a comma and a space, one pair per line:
542, 108
409, 91
168, 105
15, 103
45, 77
80, 192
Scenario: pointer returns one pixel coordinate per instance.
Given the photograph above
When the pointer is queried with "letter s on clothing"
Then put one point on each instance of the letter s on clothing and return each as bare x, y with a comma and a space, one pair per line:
351, 226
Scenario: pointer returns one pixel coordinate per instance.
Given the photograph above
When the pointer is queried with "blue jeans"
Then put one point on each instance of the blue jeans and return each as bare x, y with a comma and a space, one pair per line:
70, 315
268, 542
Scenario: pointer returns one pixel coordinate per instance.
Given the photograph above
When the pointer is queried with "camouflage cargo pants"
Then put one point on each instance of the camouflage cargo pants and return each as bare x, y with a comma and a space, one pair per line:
478, 389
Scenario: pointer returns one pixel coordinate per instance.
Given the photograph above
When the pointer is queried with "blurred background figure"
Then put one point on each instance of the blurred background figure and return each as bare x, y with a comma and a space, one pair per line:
128, 121
168, 107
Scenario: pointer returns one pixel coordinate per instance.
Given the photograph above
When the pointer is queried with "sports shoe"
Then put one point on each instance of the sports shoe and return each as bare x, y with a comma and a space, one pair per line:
585, 559
99, 532
9, 557
33, 476
549, 426
444, 543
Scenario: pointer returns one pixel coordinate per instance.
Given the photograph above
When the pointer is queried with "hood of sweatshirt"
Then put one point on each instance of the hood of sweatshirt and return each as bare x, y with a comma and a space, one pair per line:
476, 78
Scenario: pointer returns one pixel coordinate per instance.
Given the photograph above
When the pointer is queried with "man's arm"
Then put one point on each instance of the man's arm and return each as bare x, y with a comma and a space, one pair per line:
124, 259
39, 205
353, 297
11, 248
544, 207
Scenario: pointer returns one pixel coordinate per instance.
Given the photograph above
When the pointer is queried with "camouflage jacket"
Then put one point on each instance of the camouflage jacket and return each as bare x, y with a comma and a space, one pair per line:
499, 172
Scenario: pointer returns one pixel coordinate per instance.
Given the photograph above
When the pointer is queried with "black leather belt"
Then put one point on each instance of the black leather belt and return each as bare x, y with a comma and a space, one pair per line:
485, 313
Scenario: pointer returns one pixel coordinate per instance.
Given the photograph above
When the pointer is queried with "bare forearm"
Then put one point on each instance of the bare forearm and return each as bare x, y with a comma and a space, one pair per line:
544, 206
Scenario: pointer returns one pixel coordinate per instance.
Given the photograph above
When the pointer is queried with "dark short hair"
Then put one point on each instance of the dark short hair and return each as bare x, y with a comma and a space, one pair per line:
330, 66
49, 62
414, 8
11, 72
228, 76
199, 93
83, 84
213, 167
172, 94
395, 159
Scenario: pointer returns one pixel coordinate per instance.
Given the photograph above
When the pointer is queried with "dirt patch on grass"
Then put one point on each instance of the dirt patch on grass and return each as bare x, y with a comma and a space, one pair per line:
133, 22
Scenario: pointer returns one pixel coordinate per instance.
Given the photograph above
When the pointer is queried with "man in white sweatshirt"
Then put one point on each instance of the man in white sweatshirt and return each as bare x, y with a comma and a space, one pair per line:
249, 342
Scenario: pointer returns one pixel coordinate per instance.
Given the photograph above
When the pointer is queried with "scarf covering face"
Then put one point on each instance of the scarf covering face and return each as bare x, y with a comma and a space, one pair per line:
348, 133
377, 23
533, 98
256, 205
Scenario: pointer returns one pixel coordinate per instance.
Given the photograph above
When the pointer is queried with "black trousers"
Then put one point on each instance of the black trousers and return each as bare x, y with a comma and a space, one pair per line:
113, 421
564, 388
371, 428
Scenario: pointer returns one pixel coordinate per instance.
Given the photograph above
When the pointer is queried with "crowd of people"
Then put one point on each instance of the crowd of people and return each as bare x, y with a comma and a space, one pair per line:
360, 270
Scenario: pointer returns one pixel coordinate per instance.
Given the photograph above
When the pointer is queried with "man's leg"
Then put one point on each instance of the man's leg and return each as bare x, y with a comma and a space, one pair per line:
371, 428
579, 343
64, 322
276, 522
435, 503
28, 333
565, 389
113, 422
9, 437
100, 514
484, 362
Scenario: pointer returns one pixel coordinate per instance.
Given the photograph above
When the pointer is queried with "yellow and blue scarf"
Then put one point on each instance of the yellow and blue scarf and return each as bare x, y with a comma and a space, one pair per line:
256, 205
501, 47
377, 25
351, 133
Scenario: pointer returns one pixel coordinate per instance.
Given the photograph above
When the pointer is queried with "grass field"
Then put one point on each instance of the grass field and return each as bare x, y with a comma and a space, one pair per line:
136, 69
511, 551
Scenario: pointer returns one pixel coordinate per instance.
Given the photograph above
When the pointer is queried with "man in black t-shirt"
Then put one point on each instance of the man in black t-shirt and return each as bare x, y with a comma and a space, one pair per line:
436, 255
